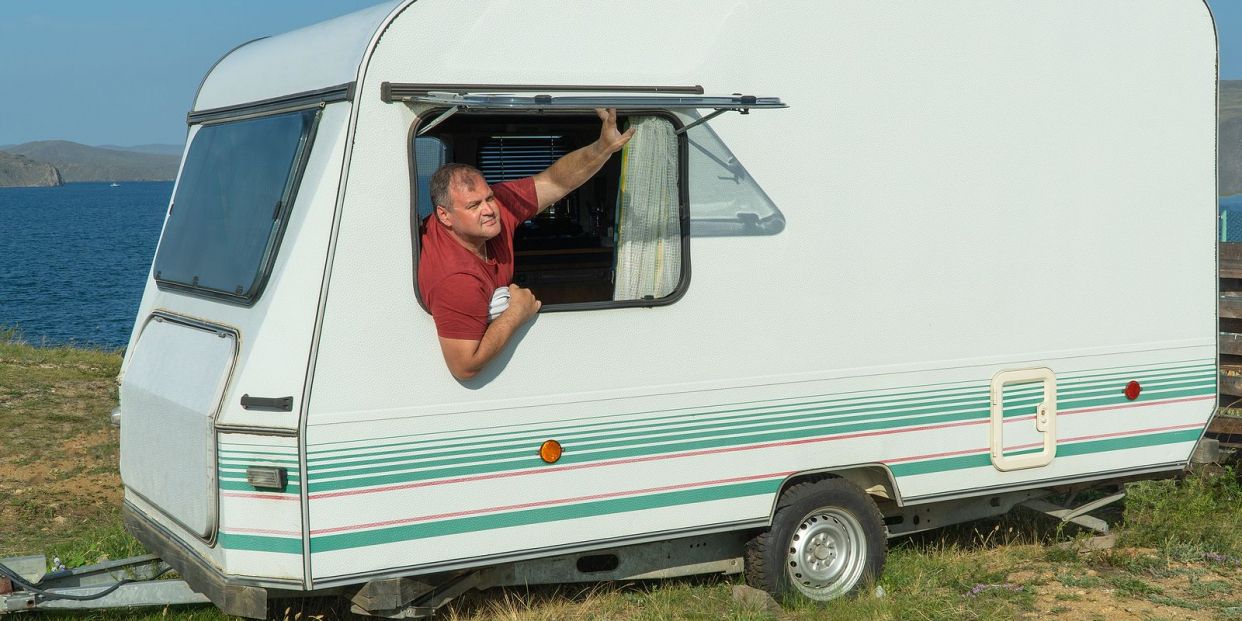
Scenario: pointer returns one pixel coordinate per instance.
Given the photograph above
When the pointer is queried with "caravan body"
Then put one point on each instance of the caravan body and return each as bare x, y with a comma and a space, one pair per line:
951, 250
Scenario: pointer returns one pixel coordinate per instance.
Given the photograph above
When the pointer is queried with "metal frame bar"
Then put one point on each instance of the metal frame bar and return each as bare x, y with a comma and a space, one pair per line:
392, 92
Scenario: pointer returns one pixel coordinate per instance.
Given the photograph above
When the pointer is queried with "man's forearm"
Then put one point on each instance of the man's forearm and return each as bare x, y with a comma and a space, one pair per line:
465, 364
571, 171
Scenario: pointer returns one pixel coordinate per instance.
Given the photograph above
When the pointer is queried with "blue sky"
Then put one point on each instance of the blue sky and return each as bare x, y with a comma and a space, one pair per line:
125, 71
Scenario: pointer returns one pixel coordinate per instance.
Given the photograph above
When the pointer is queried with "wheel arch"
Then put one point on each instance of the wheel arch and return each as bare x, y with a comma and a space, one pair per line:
875, 479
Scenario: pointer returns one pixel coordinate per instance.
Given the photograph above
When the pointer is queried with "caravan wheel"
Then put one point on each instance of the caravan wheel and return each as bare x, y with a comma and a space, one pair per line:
827, 538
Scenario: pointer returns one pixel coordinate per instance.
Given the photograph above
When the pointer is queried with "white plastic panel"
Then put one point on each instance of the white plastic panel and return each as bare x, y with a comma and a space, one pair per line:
169, 398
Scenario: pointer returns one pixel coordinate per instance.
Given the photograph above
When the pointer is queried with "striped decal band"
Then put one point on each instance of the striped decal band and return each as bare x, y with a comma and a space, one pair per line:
441, 524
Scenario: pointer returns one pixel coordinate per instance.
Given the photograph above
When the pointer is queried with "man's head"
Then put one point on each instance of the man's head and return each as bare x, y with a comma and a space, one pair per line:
464, 203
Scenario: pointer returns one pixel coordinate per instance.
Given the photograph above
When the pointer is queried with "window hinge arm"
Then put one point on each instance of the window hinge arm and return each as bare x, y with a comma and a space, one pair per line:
718, 112
439, 119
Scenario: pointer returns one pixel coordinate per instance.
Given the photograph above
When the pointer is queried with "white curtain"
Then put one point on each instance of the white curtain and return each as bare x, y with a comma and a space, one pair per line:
648, 230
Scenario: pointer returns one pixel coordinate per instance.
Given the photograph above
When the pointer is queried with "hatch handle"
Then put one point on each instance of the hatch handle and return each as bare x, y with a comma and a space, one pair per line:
278, 404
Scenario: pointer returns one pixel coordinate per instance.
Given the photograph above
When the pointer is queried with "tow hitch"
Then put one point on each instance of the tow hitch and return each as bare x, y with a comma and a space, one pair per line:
26, 585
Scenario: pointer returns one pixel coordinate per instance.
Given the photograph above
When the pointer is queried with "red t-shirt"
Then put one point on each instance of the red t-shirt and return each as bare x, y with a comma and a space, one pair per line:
455, 284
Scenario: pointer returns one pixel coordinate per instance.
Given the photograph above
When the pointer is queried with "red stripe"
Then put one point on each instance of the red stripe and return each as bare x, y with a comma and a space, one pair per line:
1137, 405
633, 460
1134, 433
976, 451
734, 449
544, 503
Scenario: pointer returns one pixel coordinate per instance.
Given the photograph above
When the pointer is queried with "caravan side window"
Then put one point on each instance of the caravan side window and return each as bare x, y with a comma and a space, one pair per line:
619, 240
232, 203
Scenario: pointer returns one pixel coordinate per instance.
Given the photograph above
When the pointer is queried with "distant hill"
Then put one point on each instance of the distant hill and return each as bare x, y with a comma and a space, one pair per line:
1229, 140
20, 172
158, 149
79, 162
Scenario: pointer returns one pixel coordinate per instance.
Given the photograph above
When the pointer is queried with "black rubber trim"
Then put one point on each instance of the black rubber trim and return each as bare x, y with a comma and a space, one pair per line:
340, 92
390, 92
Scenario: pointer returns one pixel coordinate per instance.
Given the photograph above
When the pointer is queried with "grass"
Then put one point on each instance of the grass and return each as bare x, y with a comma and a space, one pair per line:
54, 408
1179, 553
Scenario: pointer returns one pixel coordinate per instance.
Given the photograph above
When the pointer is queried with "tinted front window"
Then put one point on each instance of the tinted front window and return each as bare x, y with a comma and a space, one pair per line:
231, 204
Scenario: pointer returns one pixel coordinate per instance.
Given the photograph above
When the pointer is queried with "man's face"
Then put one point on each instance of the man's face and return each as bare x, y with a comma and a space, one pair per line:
474, 216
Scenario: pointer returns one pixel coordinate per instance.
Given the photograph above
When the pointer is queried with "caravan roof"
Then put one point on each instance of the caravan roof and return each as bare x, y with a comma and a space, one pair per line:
317, 57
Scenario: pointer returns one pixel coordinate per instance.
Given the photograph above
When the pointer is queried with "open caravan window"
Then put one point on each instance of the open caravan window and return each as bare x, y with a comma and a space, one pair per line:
621, 239
232, 203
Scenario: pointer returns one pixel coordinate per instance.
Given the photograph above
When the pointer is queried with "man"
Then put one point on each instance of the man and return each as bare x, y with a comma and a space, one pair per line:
466, 259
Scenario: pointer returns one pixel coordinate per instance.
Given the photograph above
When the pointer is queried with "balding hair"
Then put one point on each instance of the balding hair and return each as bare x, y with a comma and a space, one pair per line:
448, 174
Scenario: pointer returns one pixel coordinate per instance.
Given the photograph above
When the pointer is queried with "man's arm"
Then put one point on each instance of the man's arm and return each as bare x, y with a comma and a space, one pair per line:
569, 172
466, 358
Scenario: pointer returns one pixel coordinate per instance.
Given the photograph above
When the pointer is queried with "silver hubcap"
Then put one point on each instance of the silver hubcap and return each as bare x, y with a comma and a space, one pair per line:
827, 554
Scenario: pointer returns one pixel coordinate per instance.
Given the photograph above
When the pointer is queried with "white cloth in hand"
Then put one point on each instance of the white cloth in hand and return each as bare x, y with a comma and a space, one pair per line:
500, 302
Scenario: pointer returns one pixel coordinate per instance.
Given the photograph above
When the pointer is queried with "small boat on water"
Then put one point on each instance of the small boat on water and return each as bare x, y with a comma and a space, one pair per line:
115, 185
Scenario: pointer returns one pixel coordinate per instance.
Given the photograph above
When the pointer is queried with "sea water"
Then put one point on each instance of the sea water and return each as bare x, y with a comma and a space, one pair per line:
74, 259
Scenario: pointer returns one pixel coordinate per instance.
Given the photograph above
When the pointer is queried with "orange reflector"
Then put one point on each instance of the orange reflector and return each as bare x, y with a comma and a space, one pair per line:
550, 451
1132, 390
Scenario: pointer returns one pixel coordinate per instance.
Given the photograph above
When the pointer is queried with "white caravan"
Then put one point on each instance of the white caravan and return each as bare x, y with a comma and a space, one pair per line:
868, 268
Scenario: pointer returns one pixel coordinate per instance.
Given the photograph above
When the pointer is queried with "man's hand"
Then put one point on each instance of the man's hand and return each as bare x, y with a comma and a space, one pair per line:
466, 358
523, 303
611, 140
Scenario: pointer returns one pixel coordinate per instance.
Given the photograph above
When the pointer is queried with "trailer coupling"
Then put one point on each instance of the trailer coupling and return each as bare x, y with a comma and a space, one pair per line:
25, 584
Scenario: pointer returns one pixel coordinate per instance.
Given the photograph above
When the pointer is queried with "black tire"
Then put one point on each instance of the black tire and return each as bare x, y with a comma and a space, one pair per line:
827, 539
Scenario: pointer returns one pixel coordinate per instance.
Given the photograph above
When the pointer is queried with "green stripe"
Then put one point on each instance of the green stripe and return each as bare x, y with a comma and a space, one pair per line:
1015, 407
980, 460
639, 426
319, 485
469, 466
259, 543
525, 517
242, 486
515, 447
240, 473
257, 458
1128, 372
480, 440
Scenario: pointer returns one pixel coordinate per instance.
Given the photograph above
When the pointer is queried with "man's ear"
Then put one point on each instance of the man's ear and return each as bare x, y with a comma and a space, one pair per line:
442, 215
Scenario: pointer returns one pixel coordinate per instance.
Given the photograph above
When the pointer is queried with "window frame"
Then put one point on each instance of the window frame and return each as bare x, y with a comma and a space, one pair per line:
289, 195
683, 198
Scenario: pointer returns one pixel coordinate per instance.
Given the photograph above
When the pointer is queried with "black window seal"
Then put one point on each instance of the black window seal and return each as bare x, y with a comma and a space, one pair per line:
275, 105
288, 198
683, 208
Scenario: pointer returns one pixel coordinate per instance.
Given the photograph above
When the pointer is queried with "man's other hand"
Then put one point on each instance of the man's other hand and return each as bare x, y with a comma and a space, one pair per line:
465, 358
523, 303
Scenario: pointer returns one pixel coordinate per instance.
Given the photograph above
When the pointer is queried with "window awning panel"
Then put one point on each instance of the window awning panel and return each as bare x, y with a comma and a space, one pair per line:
461, 97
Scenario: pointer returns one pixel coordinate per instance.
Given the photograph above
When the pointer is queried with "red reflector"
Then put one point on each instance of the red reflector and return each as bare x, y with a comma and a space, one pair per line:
1132, 390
